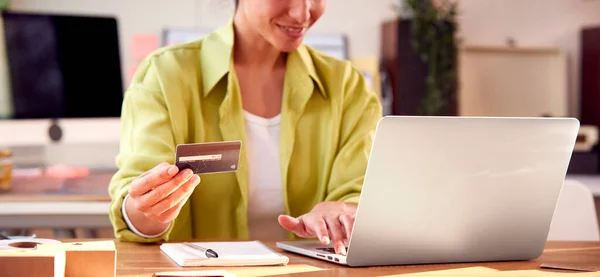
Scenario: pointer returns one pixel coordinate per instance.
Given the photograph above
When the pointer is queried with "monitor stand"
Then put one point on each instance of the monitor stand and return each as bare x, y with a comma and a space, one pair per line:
55, 131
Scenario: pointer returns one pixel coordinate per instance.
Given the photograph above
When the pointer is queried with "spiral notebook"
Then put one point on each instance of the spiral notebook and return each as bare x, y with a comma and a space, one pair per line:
235, 253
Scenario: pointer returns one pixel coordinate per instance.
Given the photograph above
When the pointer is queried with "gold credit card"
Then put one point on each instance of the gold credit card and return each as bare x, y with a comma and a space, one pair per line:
210, 157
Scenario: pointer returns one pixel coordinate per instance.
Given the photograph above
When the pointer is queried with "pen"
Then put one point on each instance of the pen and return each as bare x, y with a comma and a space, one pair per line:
208, 252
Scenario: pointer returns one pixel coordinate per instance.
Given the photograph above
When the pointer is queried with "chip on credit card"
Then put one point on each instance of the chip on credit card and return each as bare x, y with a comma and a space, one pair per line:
209, 157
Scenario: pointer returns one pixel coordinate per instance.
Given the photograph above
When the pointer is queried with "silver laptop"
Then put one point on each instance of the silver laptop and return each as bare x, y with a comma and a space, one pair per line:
456, 189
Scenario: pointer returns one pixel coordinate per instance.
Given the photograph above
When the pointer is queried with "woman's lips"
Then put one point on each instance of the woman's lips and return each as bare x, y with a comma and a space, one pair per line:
293, 31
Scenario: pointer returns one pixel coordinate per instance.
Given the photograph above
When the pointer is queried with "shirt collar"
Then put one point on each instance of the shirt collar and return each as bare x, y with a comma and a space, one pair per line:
216, 59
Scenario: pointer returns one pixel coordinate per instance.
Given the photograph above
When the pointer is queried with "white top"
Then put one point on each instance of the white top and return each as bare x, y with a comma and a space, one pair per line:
265, 191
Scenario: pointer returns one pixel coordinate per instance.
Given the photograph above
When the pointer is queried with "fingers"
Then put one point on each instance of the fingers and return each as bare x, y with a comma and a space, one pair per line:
167, 209
347, 222
295, 225
316, 226
146, 201
331, 223
170, 214
289, 223
152, 178
336, 230
174, 198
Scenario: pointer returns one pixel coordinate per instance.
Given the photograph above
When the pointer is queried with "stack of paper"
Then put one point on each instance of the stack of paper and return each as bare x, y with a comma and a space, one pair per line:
238, 253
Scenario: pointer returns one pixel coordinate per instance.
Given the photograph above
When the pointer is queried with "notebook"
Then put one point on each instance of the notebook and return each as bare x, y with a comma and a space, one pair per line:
203, 273
238, 253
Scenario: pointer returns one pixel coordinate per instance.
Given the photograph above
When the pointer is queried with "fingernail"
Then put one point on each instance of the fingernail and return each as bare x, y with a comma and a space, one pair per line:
325, 240
197, 179
342, 250
188, 174
172, 170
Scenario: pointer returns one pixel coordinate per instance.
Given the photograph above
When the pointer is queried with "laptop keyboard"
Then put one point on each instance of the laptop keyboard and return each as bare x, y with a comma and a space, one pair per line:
329, 249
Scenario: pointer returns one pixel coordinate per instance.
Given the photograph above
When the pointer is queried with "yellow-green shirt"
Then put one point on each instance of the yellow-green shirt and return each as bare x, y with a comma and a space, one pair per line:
189, 93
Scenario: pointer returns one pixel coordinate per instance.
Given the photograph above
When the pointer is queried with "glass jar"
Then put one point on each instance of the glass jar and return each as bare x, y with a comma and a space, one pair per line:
6, 168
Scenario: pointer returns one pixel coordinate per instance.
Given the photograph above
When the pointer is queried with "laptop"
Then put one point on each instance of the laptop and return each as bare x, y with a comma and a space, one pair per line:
456, 190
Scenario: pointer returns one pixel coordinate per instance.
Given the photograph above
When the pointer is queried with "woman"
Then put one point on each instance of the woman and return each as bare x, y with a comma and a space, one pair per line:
306, 123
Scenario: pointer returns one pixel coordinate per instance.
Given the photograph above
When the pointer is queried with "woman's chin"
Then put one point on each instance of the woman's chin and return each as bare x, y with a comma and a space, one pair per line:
288, 46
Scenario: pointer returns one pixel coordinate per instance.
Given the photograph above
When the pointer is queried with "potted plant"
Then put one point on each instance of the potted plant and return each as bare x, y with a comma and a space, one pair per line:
4, 4
433, 30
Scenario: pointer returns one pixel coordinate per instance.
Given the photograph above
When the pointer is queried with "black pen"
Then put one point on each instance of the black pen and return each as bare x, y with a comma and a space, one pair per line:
208, 252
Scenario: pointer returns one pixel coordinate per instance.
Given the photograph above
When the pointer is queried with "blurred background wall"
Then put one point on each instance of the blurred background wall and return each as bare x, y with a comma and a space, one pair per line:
482, 22
516, 57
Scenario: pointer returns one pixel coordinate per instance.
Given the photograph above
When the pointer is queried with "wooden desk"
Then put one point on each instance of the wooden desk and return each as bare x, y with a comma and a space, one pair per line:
144, 260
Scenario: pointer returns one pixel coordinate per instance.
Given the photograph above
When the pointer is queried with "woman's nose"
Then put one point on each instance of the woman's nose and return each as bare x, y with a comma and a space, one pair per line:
300, 10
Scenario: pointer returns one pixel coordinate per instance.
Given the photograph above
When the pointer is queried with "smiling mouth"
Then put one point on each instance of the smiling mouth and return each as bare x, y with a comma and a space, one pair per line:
293, 31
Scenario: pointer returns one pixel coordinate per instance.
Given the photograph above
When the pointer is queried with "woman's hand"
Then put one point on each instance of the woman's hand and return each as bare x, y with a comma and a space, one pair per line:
158, 195
328, 221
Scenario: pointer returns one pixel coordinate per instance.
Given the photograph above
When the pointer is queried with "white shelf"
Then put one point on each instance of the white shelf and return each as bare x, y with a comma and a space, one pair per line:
54, 208
591, 181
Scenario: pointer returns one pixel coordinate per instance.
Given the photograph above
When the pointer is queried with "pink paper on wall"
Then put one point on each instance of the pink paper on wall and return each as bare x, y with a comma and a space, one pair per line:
143, 45
131, 72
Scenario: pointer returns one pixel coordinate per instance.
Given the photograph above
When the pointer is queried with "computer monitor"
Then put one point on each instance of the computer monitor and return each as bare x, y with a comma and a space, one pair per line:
63, 66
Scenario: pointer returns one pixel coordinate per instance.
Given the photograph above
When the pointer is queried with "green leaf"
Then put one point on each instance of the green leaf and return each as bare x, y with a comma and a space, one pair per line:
433, 38
4, 4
